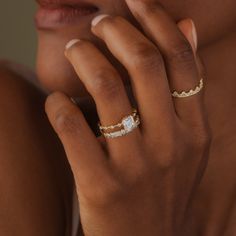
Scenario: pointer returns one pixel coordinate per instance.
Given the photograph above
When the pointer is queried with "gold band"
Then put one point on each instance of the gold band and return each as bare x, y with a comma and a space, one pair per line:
104, 128
190, 93
127, 124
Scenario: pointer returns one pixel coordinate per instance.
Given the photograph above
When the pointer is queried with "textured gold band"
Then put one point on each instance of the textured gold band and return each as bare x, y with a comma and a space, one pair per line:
190, 93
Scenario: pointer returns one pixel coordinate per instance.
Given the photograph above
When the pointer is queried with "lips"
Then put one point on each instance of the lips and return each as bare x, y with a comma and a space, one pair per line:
60, 3
54, 14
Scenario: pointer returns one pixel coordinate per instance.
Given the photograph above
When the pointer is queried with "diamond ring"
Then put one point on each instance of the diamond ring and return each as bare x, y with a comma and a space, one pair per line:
127, 125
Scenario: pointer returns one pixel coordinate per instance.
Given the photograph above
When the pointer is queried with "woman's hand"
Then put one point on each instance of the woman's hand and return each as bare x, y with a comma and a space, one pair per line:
141, 183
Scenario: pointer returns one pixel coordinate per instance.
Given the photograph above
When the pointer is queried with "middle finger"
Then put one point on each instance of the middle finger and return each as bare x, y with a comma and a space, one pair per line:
144, 63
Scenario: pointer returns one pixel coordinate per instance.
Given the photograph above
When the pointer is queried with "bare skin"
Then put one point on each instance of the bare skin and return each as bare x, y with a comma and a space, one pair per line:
215, 202
216, 196
36, 197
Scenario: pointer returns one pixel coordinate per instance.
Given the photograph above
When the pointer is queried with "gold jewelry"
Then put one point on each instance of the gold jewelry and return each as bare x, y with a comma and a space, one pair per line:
190, 93
127, 125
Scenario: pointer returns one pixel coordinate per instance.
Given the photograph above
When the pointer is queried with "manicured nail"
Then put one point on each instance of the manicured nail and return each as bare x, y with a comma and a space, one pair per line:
194, 34
71, 43
97, 19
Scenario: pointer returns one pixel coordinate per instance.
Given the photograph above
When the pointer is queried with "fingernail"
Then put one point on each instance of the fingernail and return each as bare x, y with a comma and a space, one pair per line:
71, 43
194, 34
97, 19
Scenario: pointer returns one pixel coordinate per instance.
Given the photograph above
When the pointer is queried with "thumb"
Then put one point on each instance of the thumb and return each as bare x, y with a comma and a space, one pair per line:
84, 153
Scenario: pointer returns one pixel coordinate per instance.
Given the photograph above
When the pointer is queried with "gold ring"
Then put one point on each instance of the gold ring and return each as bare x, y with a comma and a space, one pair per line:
190, 93
127, 125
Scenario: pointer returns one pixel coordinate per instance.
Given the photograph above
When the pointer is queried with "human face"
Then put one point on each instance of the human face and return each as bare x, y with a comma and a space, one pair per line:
60, 21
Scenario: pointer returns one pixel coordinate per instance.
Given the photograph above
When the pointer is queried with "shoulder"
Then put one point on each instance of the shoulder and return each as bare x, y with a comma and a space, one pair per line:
18, 86
28, 147
19, 76
13, 69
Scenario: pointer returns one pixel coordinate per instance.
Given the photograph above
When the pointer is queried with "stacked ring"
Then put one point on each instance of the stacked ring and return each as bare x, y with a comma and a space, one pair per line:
127, 125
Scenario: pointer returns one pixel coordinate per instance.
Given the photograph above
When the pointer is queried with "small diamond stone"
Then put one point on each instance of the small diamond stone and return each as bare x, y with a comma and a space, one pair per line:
128, 123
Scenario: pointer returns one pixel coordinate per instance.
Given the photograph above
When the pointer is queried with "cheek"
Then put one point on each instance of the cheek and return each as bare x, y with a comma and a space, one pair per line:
213, 19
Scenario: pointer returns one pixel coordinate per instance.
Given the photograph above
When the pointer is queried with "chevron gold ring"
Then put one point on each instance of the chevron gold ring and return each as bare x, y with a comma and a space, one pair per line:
127, 125
190, 93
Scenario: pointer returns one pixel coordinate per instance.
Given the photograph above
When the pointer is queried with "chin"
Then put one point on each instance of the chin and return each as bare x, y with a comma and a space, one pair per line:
56, 28
54, 71
60, 78
56, 74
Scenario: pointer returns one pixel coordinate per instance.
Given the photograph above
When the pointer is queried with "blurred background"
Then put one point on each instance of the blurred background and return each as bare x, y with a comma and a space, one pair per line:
17, 32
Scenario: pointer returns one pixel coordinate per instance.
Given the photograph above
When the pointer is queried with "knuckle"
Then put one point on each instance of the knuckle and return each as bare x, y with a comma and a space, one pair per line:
203, 140
169, 150
148, 7
168, 159
182, 53
105, 194
111, 193
136, 177
67, 121
106, 83
146, 57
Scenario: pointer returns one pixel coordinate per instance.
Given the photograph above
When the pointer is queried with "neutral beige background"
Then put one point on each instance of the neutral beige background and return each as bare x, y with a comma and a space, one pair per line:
17, 32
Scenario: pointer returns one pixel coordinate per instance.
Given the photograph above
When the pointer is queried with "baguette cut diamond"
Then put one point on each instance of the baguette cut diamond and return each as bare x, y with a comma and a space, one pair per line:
128, 123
